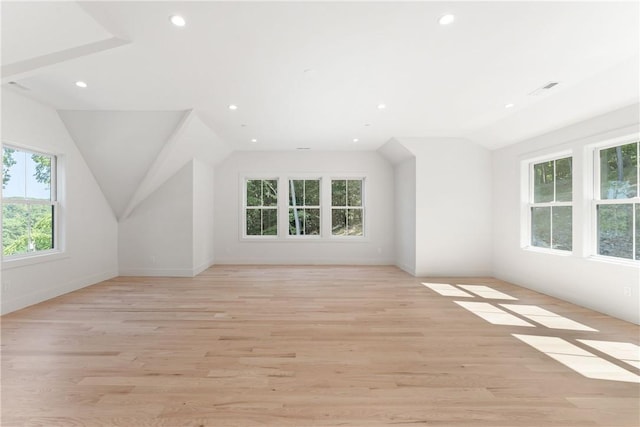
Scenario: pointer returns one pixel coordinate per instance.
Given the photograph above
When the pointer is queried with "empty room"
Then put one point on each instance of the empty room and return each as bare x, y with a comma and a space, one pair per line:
365, 214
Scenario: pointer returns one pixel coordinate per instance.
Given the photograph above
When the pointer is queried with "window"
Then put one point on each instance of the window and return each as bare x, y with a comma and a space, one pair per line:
261, 207
28, 202
617, 205
347, 216
304, 207
551, 204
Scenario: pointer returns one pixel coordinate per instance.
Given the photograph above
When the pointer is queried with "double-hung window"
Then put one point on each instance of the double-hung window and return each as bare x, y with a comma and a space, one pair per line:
617, 201
304, 207
550, 205
261, 207
347, 208
28, 202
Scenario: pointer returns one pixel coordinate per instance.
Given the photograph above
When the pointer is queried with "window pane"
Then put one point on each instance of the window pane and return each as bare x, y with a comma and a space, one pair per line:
269, 222
41, 228
312, 192
338, 221
254, 222
270, 192
562, 235
312, 222
541, 227
354, 192
15, 231
296, 192
563, 180
14, 169
615, 230
296, 228
254, 192
38, 176
354, 221
637, 231
619, 172
338, 193
543, 182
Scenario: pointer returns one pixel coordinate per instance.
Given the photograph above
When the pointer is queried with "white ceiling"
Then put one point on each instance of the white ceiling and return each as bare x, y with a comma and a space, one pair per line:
448, 81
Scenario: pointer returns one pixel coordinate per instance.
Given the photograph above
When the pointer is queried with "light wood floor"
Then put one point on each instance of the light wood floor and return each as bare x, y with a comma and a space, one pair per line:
295, 346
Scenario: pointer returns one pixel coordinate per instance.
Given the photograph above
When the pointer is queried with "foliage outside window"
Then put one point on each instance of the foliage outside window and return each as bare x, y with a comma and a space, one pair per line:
551, 204
28, 202
347, 212
617, 202
304, 207
261, 207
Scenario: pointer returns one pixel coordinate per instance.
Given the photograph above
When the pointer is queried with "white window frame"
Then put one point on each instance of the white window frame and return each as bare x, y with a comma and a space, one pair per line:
528, 198
319, 207
27, 258
244, 234
362, 207
597, 200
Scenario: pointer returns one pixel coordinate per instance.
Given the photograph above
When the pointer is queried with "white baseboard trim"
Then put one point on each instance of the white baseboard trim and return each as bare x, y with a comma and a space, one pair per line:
302, 261
202, 267
158, 272
23, 301
406, 268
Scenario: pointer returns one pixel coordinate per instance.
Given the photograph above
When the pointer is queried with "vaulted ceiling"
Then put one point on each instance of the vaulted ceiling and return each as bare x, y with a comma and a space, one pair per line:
312, 74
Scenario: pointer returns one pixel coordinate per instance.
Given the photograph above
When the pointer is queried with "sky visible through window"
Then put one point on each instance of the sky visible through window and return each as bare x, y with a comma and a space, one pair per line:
23, 183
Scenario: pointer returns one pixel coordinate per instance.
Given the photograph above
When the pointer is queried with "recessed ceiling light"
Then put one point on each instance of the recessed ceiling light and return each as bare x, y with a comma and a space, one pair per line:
233, 107
81, 84
355, 140
509, 106
254, 140
367, 124
303, 148
382, 106
177, 20
446, 19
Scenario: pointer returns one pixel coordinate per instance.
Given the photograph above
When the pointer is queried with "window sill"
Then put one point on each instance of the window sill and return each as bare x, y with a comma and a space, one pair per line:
547, 251
25, 261
614, 260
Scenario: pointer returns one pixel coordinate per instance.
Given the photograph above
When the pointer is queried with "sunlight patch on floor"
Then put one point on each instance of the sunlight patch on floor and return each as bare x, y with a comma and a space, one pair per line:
624, 351
547, 318
487, 292
581, 361
447, 290
493, 314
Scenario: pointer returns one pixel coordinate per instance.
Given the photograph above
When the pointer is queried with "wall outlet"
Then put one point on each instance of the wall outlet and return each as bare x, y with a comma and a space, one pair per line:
6, 285
153, 260
627, 291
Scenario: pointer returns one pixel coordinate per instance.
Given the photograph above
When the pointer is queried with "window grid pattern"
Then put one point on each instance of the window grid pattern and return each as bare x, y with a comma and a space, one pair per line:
347, 208
304, 207
29, 202
261, 207
617, 201
551, 204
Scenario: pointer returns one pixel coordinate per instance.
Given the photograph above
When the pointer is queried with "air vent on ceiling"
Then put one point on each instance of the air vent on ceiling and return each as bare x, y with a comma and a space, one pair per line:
18, 85
544, 89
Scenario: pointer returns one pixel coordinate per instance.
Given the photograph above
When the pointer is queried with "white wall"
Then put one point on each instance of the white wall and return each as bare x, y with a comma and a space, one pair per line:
453, 207
405, 215
377, 248
577, 278
89, 229
203, 216
157, 238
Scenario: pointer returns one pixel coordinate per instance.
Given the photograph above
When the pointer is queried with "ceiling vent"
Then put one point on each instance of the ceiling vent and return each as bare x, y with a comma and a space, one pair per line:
19, 86
544, 89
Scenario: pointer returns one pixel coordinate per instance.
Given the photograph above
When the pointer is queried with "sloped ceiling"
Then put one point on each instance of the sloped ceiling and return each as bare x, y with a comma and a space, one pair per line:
191, 139
120, 147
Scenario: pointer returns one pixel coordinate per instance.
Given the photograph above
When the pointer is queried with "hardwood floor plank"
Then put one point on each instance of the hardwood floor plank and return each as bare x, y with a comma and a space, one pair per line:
299, 346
